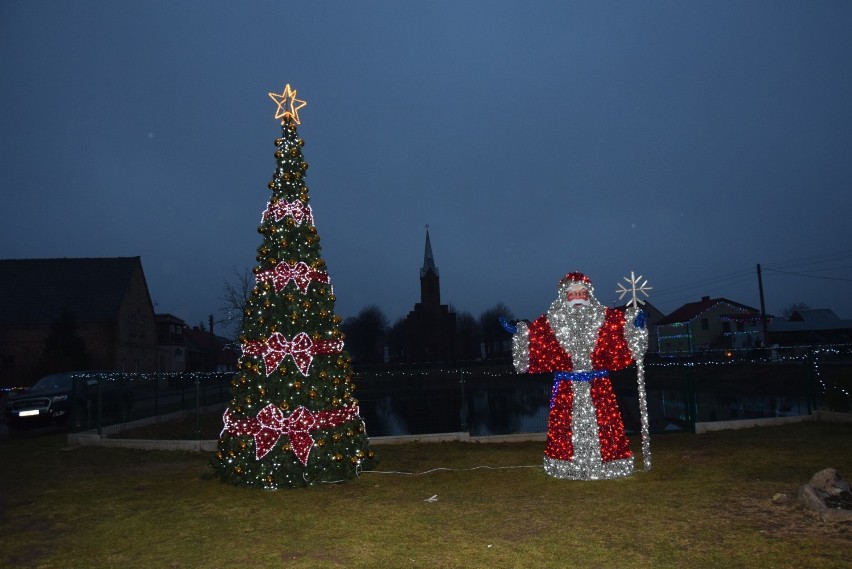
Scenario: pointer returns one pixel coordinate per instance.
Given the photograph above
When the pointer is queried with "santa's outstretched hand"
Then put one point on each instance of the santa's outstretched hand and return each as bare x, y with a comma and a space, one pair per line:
510, 328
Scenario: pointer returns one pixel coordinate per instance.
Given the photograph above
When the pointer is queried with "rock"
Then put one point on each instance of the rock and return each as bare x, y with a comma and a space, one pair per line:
809, 499
779, 498
829, 481
827, 484
835, 515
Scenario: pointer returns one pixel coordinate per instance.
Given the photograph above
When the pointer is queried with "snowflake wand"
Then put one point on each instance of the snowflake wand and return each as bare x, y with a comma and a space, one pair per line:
635, 287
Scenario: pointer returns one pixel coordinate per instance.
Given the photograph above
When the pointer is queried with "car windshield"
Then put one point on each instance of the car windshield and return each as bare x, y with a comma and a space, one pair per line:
55, 381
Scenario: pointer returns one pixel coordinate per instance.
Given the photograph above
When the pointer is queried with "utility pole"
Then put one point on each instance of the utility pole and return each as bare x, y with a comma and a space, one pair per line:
764, 326
213, 344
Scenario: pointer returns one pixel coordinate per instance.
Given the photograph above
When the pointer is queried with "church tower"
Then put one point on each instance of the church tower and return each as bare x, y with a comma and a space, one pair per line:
429, 329
430, 280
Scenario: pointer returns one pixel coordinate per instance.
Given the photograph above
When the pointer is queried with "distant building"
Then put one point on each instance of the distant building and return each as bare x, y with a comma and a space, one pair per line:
171, 344
107, 297
430, 329
207, 352
811, 327
182, 348
715, 323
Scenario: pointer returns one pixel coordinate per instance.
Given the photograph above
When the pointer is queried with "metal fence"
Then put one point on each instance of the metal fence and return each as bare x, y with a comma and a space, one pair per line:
710, 387
113, 402
491, 399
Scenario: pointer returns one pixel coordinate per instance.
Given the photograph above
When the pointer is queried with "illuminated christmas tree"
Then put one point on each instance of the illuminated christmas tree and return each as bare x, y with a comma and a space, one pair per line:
292, 420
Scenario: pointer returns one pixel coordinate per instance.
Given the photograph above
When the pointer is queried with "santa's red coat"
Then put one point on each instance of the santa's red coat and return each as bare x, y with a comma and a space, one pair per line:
611, 353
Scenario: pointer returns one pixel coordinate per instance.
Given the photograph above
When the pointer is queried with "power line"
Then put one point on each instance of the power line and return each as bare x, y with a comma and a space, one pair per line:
720, 281
802, 267
811, 260
809, 276
739, 276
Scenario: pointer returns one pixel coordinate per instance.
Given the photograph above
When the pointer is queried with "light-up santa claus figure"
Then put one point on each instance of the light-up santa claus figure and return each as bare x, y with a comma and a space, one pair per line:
581, 341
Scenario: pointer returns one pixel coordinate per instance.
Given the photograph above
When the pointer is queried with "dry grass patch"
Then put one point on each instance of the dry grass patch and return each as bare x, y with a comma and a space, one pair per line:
707, 503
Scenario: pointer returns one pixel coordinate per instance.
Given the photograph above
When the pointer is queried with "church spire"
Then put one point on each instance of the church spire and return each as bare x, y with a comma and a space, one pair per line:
428, 258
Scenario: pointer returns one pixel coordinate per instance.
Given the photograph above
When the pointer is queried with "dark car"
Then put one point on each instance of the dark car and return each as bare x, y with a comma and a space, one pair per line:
79, 400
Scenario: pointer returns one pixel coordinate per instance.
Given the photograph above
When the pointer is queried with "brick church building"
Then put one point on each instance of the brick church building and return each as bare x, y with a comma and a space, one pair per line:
429, 329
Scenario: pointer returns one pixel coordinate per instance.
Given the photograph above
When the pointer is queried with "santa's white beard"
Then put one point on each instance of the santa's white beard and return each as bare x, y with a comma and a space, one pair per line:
576, 327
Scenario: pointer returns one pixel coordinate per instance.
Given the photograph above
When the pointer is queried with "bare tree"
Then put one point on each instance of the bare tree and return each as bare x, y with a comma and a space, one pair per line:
365, 335
468, 332
236, 292
396, 340
494, 338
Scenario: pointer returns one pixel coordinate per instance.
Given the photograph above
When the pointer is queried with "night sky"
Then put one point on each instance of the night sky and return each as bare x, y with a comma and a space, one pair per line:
686, 141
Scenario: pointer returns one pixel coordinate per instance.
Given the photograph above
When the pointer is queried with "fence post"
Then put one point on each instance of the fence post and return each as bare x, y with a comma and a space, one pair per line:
463, 410
198, 407
689, 398
75, 420
811, 379
100, 407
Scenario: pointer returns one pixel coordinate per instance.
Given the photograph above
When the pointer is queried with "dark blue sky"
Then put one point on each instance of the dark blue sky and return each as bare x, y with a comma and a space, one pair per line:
685, 141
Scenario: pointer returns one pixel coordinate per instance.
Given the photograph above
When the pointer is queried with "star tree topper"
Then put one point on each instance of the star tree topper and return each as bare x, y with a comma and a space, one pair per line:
288, 104
635, 287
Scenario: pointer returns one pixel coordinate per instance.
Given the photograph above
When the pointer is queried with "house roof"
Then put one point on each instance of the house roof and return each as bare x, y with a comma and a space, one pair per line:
652, 313
166, 317
693, 309
811, 320
37, 290
814, 315
202, 341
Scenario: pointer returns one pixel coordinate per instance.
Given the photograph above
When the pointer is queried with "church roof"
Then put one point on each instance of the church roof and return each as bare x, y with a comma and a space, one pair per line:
428, 259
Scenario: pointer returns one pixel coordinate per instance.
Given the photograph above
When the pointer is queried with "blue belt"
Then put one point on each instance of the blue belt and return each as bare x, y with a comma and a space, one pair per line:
561, 376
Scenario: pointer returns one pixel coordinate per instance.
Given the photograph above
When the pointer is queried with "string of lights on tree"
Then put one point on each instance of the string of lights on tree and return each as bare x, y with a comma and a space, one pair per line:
293, 420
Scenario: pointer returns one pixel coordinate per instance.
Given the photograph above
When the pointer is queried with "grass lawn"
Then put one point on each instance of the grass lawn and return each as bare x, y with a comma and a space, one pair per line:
707, 503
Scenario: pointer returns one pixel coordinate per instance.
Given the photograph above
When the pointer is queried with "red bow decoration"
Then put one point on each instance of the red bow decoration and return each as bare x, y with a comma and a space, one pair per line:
300, 211
300, 273
302, 349
270, 424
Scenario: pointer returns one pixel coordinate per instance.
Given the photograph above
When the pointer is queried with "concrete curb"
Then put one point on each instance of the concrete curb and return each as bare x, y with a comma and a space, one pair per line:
820, 416
91, 438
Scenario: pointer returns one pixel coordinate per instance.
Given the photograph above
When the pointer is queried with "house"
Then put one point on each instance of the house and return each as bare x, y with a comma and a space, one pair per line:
182, 348
104, 300
711, 323
171, 345
207, 352
430, 329
811, 327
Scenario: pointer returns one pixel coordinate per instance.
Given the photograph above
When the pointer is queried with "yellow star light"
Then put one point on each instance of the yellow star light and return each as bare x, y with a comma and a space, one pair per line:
288, 104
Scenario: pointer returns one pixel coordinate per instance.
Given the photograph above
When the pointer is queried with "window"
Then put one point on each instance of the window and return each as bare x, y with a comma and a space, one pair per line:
705, 324
726, 327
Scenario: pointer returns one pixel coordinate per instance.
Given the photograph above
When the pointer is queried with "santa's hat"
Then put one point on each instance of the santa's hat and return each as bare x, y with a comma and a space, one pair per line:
575, 277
